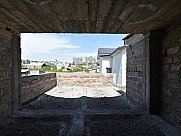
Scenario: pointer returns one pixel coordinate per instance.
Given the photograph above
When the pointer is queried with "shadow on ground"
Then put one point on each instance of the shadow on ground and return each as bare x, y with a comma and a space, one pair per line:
83, 116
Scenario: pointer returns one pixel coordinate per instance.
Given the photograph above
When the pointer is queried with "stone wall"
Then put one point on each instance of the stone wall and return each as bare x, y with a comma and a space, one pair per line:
33, 86
171, 76
8, 91
85, 79
136, 75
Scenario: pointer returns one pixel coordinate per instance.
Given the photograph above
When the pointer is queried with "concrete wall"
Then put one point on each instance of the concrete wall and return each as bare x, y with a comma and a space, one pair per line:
85, 79
9, 70
33, 86
105, 62
119, 66
171, 75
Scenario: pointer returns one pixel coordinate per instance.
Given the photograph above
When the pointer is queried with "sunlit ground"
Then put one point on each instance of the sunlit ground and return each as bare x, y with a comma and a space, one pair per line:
77, 92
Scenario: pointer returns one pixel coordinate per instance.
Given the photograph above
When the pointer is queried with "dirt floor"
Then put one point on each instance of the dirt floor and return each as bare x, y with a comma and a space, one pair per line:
83, 111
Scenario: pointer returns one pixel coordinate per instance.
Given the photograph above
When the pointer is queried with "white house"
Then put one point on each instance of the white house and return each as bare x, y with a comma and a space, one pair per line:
34, 65
113, 60
36, 72
105, 59
119, 65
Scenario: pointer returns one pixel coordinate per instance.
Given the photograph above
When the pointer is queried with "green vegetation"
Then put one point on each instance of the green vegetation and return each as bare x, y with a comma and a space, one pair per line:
54, 69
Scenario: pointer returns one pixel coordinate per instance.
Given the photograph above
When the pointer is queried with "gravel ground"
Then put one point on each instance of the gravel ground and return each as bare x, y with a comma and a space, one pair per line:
83, 111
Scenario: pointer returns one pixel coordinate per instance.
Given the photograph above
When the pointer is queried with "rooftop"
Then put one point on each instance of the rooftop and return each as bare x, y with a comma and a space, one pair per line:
105, 52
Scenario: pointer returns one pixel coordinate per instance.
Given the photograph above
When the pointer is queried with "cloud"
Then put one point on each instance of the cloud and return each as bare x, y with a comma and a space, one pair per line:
43, 44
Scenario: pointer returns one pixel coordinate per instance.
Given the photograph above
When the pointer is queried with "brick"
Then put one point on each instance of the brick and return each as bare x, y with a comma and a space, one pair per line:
165, 68
167, 60
85, 79
175, 68
171, 80
173, 76
172, 50
33, 86
163, 51
176, 60
1, 92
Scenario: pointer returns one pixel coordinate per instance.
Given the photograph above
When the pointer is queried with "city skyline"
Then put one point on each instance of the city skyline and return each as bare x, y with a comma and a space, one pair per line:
84, 59
64, 47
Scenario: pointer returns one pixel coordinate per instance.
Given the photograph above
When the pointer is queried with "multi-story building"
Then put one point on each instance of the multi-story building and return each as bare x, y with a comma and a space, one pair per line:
77, 61
90, 60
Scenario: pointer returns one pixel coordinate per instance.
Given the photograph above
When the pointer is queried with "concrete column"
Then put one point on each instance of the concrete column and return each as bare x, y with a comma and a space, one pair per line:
16, 71
6, 74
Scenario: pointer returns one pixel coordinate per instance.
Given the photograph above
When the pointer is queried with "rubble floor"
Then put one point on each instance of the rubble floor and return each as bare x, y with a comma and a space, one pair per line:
84, 111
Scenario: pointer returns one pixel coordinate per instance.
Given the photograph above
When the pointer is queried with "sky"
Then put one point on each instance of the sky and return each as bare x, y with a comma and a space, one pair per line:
63, 47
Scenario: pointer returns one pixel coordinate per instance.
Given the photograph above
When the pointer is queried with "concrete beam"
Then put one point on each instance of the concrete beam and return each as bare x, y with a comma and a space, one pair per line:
89, 16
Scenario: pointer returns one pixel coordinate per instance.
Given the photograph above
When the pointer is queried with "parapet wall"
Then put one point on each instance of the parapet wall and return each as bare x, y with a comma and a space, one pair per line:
33, 86
85, 79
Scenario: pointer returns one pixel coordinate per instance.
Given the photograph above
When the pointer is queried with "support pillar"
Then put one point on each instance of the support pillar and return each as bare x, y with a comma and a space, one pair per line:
16, 71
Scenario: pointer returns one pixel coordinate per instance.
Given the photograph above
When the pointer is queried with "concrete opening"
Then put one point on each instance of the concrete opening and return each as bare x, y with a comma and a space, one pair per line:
62, 56
86, 103
153, 68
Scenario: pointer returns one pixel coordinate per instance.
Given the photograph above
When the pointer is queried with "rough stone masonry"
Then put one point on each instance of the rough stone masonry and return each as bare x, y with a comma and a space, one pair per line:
171, 76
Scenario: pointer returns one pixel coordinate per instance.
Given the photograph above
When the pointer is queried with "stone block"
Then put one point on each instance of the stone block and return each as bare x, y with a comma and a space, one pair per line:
167, 60
175, 68
163, 51
165, 68
172, 50
1, 92
176, 60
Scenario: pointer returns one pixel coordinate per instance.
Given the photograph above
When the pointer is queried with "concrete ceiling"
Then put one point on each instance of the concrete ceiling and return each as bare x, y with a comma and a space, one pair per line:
89, 16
